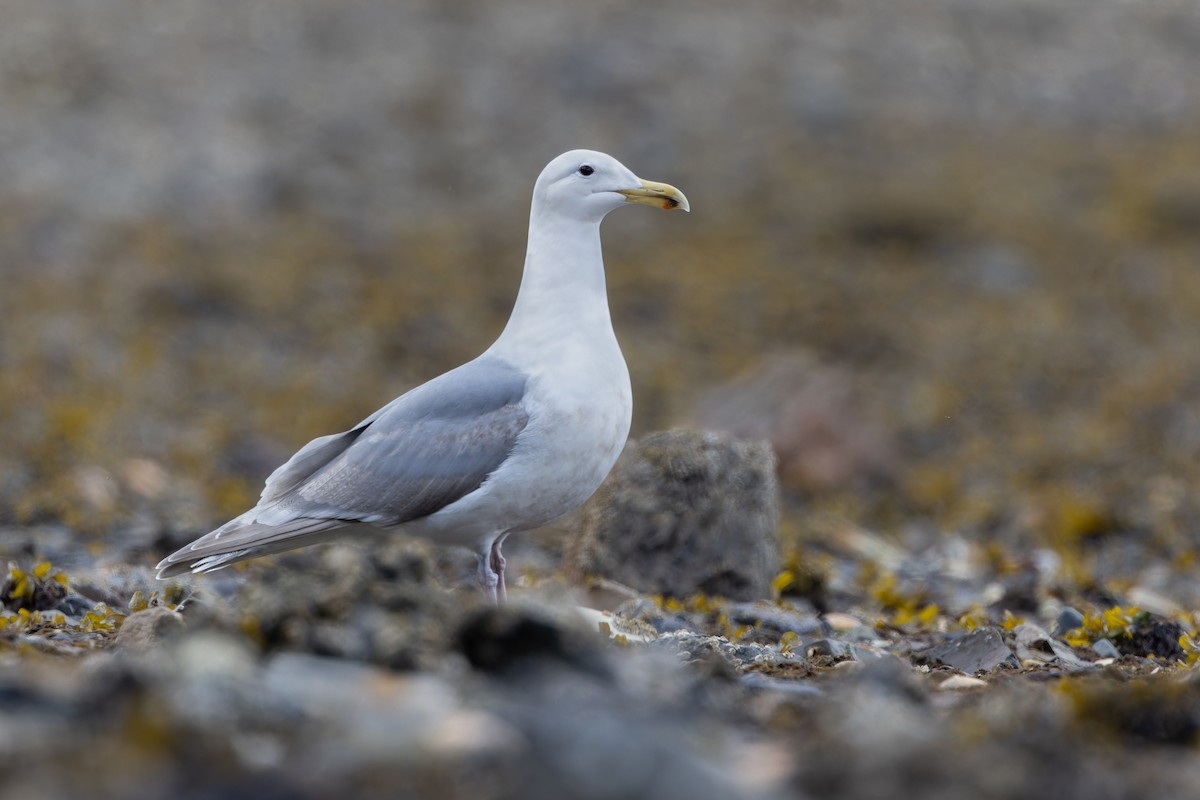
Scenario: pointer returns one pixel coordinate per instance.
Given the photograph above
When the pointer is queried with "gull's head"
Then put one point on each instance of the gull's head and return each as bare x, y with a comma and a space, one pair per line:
585, 185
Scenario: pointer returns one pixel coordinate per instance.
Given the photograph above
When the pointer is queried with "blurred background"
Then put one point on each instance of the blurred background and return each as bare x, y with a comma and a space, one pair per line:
943, 253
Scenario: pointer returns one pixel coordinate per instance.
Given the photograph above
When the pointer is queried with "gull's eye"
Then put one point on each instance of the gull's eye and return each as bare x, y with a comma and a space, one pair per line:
586, 170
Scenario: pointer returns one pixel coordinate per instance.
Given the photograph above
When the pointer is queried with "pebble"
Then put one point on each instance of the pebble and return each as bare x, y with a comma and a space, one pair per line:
980, 650
1031, 643
149, 628
1105, 649
1068, 620
774, 621
842, 622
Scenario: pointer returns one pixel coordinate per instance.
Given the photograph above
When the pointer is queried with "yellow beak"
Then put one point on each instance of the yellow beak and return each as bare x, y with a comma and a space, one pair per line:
662, 195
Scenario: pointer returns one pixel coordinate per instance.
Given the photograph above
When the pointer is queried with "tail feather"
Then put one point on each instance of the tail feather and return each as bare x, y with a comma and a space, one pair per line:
238, 541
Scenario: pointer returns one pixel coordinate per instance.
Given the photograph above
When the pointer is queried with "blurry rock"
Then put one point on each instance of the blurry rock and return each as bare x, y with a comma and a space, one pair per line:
840, 621
824, 435
684, 513
959, 682
508, 641
379, 603
1175, 211
1031, 643
472, 737
1150, 711
1156, 637
1105, 649
145, 477
853, 651
214, 653
695, 647
148, 628
1068, 620
1022, 588
978, 651
771, 622
654, 615
96, 488
992, 268
92, 589
32, 590
31, 544
829, 648
761, 682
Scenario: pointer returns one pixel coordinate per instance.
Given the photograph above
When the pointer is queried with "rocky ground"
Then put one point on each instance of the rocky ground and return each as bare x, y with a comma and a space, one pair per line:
939, 285
374, 668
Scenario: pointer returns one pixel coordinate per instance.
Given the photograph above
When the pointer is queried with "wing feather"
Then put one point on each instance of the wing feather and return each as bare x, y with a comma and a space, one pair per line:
423, 451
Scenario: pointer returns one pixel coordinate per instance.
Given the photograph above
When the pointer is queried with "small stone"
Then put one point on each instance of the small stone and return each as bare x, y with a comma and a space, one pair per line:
842, 622
699, 648
772, 622
980, 650
862, 633
146, 629
831, 648
865, 653
1031, 643
1105, 649
957, 682
473, 735
1068, 620
759, 681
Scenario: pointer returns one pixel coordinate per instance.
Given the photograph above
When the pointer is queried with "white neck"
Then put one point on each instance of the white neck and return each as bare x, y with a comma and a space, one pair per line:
562, 288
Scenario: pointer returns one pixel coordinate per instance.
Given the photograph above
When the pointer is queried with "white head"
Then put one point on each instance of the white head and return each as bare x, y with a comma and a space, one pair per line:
585, 185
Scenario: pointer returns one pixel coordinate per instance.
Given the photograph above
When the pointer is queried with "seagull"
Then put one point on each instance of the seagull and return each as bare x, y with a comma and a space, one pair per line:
510, 441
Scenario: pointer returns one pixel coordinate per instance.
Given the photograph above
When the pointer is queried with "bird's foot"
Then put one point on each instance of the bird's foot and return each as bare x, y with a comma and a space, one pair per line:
491, 573
498, 564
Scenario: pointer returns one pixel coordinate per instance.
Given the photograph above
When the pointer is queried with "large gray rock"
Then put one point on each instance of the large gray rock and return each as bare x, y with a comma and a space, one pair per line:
684, 513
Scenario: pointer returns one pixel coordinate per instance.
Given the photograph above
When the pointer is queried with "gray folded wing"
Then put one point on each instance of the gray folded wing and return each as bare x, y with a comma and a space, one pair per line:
418, 454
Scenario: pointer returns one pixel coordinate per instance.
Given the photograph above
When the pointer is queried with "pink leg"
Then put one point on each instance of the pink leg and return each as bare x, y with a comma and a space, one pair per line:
498, 564
491, 572
488, 579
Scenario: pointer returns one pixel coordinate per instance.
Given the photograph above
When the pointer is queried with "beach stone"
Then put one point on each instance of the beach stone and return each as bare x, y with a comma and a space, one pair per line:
684, 513
761, 682
771, 622
1068, 620
148, 628
692, 647
978, 651
959, 682
830, 648
1105, 649
1031, 643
